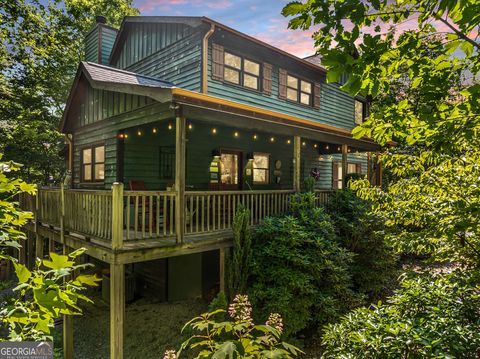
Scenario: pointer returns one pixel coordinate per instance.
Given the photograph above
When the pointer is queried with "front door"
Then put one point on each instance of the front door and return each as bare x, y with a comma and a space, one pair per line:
230, 170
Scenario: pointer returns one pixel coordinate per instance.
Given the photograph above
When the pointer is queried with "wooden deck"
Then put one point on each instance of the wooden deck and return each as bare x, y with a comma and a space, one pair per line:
132, 226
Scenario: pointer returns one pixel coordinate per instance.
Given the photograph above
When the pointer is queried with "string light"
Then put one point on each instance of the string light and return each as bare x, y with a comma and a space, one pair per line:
303, 143
288, 142
120, 135
236, 134
139, 132
126, 135
190, 126
254, 137
349, 150
154, 130
272, 139
214, 130
170, 126
338, 148
327, 147
315, 145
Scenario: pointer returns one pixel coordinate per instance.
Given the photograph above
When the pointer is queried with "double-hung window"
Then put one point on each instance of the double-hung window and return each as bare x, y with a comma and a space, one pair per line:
261, 168
93, 164
241, 71
299, 90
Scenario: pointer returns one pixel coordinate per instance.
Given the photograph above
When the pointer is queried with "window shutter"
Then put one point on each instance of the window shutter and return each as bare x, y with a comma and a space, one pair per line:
316, 95
217, 62
267, 79
282, 84
335, 175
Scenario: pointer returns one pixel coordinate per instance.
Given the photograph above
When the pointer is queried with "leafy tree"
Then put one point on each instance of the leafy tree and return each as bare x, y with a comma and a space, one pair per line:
431, 316
47, 292
433, 200
41, 45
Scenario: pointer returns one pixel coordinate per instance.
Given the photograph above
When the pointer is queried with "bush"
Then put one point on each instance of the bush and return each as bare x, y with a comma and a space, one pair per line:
238, 338
429, 317
361, 232
299, 270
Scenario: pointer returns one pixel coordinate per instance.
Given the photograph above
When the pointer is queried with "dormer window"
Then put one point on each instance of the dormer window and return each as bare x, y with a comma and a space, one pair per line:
241, 71
299, 90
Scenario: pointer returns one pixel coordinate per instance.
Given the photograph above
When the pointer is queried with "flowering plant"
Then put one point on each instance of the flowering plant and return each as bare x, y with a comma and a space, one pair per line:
238, 338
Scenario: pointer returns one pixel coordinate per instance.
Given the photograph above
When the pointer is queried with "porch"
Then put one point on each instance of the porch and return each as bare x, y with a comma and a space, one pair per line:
126, 226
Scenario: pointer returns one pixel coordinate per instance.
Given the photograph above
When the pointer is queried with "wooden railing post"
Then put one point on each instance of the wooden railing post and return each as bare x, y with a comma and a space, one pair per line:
117, 215
117, 310
180, 149
297, 150
62, 214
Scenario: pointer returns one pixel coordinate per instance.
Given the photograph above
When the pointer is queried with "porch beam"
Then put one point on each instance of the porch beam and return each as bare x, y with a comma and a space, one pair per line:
344, 163
180, 150
297, 150
117, 310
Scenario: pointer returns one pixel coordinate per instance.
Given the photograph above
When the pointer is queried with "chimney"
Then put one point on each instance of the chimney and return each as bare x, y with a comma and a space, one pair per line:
99, 41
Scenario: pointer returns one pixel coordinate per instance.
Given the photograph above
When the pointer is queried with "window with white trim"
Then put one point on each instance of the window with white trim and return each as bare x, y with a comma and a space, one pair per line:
93, 164
261, 168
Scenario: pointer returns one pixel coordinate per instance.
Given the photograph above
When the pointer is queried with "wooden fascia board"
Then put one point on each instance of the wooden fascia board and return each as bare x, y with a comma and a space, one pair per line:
78, 75
183, 96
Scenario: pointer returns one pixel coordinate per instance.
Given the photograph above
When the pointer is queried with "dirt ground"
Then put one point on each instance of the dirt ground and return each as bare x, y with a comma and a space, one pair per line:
150, 328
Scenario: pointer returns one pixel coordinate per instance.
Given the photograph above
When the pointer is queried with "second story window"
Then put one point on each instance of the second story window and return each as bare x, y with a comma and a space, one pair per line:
93, 164
241, 71
360, 112
299, 90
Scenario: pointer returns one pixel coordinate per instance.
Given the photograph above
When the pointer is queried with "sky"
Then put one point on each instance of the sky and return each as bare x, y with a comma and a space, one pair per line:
259, 18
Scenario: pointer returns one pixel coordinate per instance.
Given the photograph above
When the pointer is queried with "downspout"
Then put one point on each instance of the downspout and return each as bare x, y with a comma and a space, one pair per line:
69, 139
205, 58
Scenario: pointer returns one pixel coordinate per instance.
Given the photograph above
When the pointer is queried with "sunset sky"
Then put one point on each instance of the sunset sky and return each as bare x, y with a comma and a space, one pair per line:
261, 19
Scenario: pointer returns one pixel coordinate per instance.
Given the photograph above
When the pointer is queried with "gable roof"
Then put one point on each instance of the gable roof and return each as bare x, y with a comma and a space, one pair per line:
108, 78
195, 21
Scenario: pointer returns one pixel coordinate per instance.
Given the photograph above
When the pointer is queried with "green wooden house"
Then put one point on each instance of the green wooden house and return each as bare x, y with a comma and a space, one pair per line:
171, 123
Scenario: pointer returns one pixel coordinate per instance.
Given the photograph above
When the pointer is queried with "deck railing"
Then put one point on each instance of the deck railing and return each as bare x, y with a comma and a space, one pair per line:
151, 214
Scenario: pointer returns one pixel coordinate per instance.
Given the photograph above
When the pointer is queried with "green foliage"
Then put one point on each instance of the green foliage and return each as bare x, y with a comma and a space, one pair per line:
53, 294
309, 184
433, 316
239, 264
41, 43
424, 86
49, 288
300, 270
361, 232
219, 302
238, 338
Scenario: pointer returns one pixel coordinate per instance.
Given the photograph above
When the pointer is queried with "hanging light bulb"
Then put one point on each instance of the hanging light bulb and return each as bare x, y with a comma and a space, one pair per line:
214, 130
272, 139
139, 133
304, 143
254, 137
315, 145
170, 126
289, 141
236, 134
327, 147
154, 130
190, 126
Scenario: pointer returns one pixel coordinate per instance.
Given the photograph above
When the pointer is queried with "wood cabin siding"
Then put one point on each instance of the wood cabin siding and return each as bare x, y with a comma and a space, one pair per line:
179, 63
97, 105
91, 45
145, 39
108, 37
336, 108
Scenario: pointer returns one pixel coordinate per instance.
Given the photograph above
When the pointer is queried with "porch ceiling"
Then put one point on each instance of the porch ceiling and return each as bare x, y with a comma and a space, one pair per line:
225, 112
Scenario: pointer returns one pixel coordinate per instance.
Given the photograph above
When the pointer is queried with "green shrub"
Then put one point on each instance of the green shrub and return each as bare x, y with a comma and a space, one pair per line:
299, 270
429, 317
238, 266
361, 232
238, 338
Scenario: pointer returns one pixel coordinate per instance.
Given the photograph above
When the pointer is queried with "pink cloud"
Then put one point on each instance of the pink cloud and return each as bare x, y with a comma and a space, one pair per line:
147, 6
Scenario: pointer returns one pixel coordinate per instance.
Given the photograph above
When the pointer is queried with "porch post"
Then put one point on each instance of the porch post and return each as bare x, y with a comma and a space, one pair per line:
117, 310
180, 150
117, 215
67, 326
222, 269
344, 164
297, 150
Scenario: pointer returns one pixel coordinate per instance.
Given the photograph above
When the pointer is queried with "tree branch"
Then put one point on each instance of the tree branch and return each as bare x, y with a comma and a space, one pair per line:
456, 31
